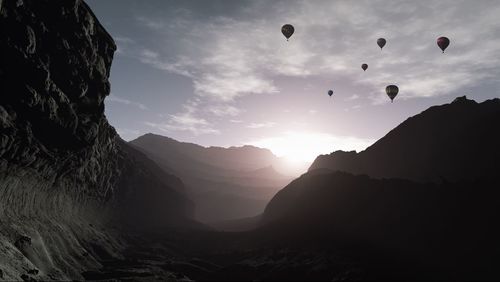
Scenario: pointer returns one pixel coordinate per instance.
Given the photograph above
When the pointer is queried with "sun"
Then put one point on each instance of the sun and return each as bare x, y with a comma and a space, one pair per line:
296, 147
303, 147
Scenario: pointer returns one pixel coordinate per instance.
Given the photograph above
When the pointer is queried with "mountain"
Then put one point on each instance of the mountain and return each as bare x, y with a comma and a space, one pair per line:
448, 142
224, 183
394, 216
398, 228
67, 180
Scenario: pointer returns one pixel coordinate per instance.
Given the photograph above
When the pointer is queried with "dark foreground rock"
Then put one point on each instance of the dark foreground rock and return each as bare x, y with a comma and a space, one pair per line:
66, 178
407, 229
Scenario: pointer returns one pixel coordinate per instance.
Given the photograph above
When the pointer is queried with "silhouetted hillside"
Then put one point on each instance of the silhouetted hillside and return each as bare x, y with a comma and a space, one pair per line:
453, 141
224, 183
431, 231
399, 228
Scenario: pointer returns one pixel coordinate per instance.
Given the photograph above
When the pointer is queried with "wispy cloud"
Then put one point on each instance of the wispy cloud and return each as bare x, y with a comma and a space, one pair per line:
224, 110
152, 58
115, 99
261, 125
227, 58
122, 44
352, 97
235, 58
186, 121
151, 23
123, 39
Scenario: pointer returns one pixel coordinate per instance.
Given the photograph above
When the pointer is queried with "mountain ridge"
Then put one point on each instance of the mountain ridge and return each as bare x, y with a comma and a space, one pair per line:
247, 149
428, 140
224, 183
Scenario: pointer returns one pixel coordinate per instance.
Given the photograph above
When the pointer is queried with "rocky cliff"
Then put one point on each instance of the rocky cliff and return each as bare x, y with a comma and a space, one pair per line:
65, 175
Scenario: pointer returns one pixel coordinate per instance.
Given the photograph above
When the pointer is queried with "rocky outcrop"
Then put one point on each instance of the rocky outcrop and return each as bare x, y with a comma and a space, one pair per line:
65, 175
455, 141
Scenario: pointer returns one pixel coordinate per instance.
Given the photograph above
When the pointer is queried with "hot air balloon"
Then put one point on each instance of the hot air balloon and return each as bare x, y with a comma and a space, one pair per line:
364, 66
287, 30
330, 93
381, 43
392, 91
443, 42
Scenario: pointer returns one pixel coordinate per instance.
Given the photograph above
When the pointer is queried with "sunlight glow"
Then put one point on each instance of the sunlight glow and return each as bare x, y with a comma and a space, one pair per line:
300, 147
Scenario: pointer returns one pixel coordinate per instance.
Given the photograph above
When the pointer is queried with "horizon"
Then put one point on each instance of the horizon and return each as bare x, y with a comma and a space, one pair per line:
255, 146
297, 166
222, 74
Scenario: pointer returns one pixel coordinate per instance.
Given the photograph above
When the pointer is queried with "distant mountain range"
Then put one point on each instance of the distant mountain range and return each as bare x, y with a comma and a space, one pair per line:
449, 142
224, 183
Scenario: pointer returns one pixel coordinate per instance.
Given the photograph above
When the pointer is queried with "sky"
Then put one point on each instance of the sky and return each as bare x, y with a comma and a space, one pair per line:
220, 73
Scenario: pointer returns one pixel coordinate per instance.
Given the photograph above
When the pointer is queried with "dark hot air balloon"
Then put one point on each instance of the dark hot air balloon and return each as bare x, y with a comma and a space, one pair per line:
330, 93
287, 30
364, 66
381, 43
443, 42
392, 91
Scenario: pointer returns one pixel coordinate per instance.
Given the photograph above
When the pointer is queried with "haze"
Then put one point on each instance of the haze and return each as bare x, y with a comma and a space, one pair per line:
220, 73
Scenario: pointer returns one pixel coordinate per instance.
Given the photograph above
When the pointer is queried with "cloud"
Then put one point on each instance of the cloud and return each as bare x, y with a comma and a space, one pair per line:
261, 125
227, 87
186, 121
153, 59
352, 97
115, 99
224, 110
235, 57
151, 23
228, 56
149, 55
123, 39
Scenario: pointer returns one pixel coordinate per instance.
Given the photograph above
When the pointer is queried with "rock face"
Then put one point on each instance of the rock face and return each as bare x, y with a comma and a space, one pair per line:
453, 142
62, 166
